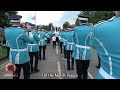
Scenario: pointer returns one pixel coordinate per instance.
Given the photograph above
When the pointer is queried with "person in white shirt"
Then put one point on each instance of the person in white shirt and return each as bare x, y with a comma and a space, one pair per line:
54, 40
57, 35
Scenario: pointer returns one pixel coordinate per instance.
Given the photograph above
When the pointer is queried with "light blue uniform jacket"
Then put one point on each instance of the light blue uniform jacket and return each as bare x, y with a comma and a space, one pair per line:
33, 37
106, 42
42, 37
70, 45
18, 41
82, 35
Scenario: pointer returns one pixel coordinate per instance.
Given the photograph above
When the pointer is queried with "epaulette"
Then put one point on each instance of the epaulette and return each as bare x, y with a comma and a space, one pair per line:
111, 19
100, 23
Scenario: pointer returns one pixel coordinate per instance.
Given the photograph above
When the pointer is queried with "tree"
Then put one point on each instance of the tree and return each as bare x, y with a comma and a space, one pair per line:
100, 15
66, 25
4, 17
96, 16
50, 25
77, 23
46, 27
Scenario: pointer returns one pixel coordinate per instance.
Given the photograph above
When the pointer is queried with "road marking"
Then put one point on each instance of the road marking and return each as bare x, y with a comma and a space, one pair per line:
90, 75
56, 49
59, 70
3, 65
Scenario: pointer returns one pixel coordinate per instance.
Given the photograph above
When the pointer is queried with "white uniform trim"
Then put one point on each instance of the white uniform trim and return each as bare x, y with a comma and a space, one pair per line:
111, 18
81, 18
105, 74
39, 35
30, 34
84, 52
19, 50
80, 46
77, 56
109, 58
17, 55
70, 43
32, 44
17, 40
10, 57
100, 23
15, 20
30, 48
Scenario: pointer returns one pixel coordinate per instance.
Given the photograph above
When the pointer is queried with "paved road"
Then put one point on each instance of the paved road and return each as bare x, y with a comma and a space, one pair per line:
55, 67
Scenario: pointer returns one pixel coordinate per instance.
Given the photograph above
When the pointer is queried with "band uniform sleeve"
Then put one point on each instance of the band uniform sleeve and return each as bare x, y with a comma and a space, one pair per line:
27, 39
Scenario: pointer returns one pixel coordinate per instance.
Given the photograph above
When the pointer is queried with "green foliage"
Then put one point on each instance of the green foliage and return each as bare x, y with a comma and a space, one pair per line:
46, 27
50, 25
4, 17
66, 25
96, 16
3, 52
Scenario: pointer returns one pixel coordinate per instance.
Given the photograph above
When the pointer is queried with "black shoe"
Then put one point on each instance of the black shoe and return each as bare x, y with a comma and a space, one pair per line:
97, 66
76, 78
31, 71
72, 68
39, 58
44, 58
36, 70
68, 69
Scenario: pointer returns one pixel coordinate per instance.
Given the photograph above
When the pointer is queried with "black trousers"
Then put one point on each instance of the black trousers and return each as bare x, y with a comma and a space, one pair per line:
82, 67
40, 50
26, 70
54, 44
61, 43
48, 40
69, 56
8, 50
32, 54
65, 52
57, 40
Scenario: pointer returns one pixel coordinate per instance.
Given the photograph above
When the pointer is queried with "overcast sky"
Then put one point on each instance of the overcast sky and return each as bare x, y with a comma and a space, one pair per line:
46, 17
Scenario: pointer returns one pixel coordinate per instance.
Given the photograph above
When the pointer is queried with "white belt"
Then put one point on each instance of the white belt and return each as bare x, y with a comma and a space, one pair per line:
18, 49
80, 46
70, 43
32, 44
105, 74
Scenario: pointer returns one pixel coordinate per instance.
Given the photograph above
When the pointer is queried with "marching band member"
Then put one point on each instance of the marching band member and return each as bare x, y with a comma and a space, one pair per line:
61, 40
48, 37
42, 44
33, 49
64, 44
105, 42
54, 40
57, 35
17, 41
69, 49
81, 52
